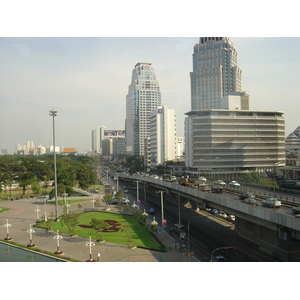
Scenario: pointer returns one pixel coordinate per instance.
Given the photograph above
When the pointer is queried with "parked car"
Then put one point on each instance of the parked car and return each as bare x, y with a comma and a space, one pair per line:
217, 189
296, 209
221, 182
234, 183
251, 201
246, 195
231, 218
271, 202
219, 258
213, 211
152, 211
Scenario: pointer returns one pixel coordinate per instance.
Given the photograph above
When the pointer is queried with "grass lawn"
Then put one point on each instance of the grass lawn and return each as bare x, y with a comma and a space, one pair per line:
141, 236
2, 209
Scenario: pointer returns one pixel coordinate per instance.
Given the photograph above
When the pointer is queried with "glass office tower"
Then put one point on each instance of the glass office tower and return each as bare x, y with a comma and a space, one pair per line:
143, 97
215, 72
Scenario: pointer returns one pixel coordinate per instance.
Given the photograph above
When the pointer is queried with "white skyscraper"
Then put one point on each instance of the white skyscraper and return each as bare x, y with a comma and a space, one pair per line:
143, 97
163, 137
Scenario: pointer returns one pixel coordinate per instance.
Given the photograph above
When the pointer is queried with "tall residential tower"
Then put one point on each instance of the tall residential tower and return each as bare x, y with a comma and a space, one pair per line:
143, 97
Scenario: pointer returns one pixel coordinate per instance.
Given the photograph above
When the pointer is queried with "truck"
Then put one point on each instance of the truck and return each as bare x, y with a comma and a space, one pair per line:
187, 182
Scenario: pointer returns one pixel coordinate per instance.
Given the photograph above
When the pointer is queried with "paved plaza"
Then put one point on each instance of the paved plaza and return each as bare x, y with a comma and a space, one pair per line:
22, 214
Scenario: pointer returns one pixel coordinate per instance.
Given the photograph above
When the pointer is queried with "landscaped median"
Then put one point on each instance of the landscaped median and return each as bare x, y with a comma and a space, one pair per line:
113, 228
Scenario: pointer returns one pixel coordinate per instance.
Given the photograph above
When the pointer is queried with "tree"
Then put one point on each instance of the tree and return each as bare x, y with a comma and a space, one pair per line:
127, 234
70, 219
85, 176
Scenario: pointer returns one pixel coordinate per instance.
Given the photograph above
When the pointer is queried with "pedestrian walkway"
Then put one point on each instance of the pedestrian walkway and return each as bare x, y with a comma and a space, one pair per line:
25, 212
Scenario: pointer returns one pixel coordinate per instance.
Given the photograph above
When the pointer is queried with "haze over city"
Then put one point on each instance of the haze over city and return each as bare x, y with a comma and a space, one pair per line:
86, 79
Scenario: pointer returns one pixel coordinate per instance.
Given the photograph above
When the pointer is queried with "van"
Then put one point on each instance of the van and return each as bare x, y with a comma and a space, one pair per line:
179, 228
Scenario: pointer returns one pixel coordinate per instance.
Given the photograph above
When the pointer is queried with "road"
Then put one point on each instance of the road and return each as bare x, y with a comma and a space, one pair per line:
205, 232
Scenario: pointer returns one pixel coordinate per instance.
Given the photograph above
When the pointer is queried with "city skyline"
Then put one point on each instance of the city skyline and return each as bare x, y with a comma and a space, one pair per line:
86, 80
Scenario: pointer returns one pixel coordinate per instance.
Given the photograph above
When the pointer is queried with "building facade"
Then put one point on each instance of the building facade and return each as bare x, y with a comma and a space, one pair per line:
143, 97
215, 73
163, 136
229, 142
97, 139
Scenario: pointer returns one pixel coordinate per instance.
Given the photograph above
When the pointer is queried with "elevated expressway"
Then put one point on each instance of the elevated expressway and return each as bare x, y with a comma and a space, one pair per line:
276, 231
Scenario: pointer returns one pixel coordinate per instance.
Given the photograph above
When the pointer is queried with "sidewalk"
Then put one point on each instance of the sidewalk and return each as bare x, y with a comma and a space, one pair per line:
22, 214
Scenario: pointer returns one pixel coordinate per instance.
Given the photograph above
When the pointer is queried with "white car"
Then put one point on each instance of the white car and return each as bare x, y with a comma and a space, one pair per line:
201, 178
234, 183
221, 182
219, 258
271, 202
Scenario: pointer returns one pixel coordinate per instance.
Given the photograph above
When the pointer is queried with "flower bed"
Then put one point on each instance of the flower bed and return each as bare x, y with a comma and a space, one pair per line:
112, 228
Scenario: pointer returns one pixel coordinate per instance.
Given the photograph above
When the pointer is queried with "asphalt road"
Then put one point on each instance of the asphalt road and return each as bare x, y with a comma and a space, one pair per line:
205, 232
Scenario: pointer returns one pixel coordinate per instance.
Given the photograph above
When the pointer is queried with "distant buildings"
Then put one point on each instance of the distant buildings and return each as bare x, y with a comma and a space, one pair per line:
97, 138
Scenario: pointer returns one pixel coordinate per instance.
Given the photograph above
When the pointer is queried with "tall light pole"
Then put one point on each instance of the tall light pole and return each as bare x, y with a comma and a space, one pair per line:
53, 113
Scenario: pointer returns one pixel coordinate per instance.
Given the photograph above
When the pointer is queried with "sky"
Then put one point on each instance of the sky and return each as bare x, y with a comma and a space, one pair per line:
82, 68
86, 80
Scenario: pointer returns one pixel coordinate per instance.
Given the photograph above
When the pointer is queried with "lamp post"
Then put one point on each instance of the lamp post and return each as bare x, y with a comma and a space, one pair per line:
162, 210
37, 210
30, 231
90, 244
53, 113
58, 237
7, 231
189, 234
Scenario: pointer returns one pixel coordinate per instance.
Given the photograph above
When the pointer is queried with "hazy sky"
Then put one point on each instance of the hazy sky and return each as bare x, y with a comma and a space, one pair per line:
86, 80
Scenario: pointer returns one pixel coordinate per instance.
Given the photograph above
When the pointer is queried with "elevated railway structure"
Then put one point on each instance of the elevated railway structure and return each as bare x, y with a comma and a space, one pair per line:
275, 231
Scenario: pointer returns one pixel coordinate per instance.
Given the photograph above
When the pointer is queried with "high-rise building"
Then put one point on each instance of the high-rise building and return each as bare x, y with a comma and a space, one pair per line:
163, 137
143, 97
224, 143
215, 74
97, 137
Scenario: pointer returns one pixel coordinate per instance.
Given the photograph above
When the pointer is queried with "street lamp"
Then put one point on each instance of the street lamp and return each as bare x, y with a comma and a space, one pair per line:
53, 113
189, 233
37, 210
58, 237
162, 210
7, 231
90, 244
30, 231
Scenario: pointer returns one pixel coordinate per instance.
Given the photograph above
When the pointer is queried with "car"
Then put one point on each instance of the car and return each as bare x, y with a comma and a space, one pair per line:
151, 211
234, 183
221, 182
219, 258
114, 202
296, 209
217, 189
178, 228
231, 218
201, 178
213, 211
93, 191
125, 200
251, 201
271, 202
222, 214
297, 216
246, 195
125, 191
